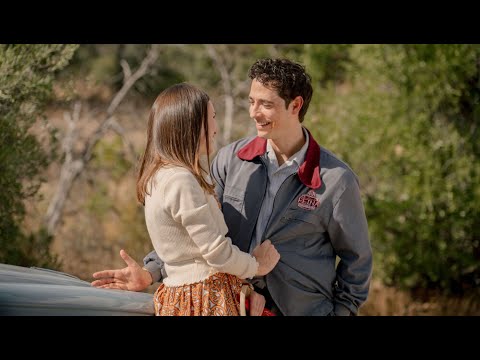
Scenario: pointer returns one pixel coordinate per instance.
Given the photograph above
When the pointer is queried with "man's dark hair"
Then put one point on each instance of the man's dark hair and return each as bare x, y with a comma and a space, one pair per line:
288, 78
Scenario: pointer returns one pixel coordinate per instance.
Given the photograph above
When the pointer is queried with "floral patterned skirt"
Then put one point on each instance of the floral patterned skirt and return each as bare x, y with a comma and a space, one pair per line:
217, 295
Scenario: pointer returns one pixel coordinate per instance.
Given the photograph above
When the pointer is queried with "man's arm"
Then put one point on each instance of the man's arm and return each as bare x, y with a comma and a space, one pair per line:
348, 232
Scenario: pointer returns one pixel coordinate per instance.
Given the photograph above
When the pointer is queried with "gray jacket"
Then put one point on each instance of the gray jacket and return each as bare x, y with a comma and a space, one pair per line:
317, 215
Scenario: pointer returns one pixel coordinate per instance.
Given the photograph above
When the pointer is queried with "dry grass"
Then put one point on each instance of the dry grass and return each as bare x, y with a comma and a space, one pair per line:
390, 301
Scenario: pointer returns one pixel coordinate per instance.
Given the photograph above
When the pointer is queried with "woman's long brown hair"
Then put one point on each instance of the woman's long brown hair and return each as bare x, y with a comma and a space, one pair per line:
173, 135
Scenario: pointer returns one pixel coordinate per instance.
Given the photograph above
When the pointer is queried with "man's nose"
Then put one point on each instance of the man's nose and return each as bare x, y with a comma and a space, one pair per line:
254, 111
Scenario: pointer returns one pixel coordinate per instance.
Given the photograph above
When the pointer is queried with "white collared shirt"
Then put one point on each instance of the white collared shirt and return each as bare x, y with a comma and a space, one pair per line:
276, 176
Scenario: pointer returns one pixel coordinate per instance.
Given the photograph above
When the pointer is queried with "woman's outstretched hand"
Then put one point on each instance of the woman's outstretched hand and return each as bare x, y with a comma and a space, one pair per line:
132, 277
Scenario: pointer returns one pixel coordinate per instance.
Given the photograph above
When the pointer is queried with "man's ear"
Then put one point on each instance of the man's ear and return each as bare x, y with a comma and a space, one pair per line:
296, 105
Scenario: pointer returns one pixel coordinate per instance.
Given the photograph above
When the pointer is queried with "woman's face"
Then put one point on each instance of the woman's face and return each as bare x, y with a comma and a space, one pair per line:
212, 131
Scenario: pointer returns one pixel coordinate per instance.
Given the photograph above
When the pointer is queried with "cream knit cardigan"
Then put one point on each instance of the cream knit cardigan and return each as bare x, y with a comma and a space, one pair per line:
188, 230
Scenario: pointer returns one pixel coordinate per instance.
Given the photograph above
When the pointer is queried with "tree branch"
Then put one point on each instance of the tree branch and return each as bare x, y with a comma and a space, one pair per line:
227, 88
72, 168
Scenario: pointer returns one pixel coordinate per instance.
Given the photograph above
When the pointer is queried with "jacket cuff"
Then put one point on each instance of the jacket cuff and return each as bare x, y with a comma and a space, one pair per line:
342, 310
154, 270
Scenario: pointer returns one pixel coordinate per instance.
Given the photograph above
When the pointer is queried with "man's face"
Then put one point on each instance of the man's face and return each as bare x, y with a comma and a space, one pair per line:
267, 108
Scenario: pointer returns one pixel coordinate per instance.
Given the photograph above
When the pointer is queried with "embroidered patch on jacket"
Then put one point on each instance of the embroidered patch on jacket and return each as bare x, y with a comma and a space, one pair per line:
308, 201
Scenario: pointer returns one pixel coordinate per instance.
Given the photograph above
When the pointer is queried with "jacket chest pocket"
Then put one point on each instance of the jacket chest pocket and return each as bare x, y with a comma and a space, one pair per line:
301, 216
234, 197
233, 210
300, 222
308, 229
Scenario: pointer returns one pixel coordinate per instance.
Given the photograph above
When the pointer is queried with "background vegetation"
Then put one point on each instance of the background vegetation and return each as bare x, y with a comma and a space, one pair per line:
404, 117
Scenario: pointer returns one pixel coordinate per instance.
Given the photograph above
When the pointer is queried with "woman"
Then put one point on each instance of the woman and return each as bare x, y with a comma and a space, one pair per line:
204, 269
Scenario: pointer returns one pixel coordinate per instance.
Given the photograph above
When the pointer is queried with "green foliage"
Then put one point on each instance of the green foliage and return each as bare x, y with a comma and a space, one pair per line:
100, 202
134, 231
329, 61
102, 64
31, 250
109, 155
98, 61
406, 119
108, 158
27, 73
196, 65
162, 73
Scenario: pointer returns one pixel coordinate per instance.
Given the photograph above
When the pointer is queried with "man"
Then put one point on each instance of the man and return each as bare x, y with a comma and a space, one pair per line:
281, 185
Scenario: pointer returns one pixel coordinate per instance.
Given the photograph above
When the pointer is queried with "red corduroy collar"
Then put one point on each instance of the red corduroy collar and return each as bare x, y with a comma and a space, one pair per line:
309, 170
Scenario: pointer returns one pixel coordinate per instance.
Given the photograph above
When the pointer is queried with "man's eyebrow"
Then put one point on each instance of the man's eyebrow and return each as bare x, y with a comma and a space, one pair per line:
263, 101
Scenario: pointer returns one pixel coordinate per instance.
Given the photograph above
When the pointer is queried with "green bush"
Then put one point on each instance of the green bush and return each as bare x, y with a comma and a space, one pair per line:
406, 119
27, 73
